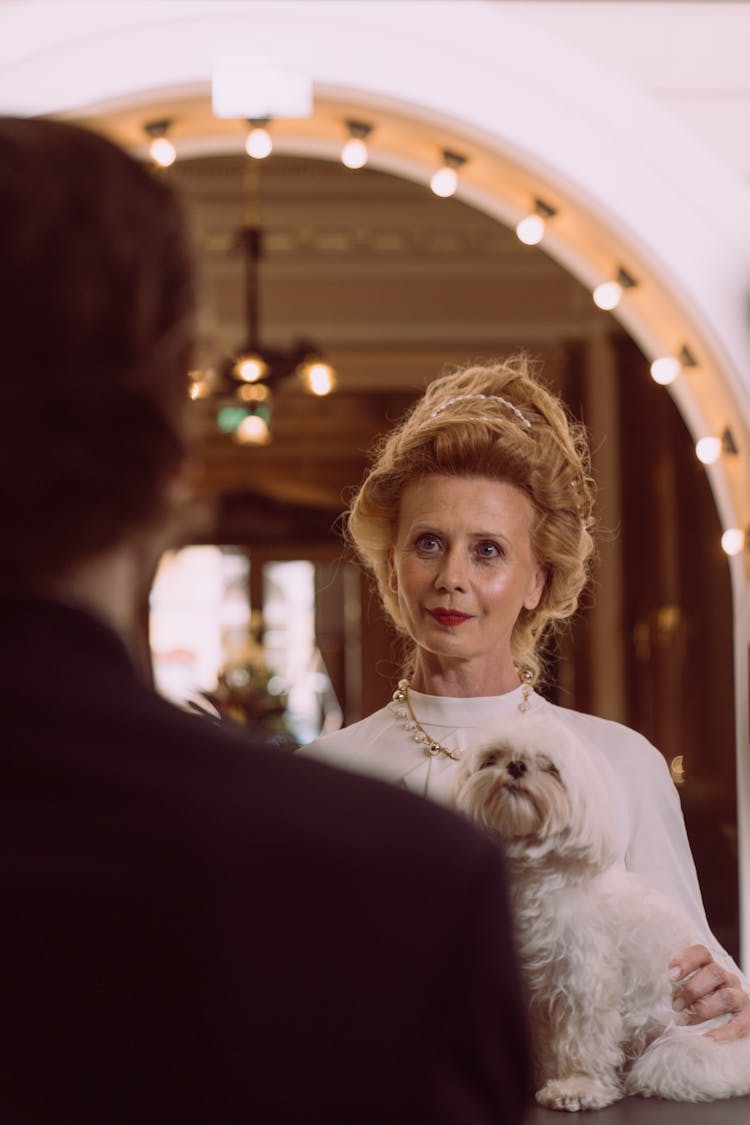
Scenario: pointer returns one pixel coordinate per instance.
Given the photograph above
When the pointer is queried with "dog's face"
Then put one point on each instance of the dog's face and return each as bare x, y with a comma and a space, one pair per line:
532, 785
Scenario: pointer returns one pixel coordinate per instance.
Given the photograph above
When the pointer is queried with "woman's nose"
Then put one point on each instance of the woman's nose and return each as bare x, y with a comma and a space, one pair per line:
452, 574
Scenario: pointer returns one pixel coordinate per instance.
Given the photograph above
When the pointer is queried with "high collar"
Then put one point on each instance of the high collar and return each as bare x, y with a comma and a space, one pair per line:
449, 719
452, 711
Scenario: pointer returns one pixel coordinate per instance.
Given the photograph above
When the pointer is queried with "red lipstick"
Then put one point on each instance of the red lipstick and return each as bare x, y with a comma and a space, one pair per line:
449, 617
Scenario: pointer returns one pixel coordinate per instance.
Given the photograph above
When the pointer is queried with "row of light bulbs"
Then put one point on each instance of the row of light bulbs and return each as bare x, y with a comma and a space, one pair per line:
530, 230
259, 145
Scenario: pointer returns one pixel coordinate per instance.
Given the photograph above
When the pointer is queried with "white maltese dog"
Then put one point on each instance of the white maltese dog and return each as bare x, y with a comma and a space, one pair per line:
595, 940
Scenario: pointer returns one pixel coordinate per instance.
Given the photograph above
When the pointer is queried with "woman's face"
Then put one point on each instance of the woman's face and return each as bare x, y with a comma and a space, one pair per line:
462, 568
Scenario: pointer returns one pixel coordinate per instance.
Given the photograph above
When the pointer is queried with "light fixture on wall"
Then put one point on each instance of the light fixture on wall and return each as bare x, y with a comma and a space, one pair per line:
258, 142
245, 382
161, 150
709, 449
318, 377
735, 540
608, 295
354, 153
530, 229
445, 180
666, 368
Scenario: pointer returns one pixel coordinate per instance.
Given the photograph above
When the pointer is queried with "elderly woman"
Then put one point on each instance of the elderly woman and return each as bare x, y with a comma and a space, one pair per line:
476, 520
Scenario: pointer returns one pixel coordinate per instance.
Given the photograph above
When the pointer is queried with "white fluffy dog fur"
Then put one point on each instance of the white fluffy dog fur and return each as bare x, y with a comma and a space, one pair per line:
595, 940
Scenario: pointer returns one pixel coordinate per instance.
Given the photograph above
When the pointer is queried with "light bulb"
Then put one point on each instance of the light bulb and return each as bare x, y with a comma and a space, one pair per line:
252, 392
733, 540
354, 153
530, 230
199, 388
607, 295
258, 143
250, 368
665, 369
708, 450
444, 182
162, 152
318, 377
253, 430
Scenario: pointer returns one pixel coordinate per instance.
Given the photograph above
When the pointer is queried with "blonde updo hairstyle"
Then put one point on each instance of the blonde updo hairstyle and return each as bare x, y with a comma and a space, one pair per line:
470, 423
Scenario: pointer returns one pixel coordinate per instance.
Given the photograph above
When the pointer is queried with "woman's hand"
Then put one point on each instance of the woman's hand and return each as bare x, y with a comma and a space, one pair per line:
710, 991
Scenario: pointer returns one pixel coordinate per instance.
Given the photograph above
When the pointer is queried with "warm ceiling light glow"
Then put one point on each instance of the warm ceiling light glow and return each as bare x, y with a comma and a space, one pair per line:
250, 368
607, 296
253, 392
354, 153
200, 383
708, 450
530, 230
665, 369
162, 152
733, 540
161, 149
253, 430
445, 181
258, 143
318, 377
200, 388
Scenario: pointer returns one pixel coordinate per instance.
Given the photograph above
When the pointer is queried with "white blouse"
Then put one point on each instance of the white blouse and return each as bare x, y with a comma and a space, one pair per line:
652, 832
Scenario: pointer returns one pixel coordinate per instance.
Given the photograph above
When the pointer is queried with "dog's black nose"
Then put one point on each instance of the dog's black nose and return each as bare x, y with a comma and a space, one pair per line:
516, 769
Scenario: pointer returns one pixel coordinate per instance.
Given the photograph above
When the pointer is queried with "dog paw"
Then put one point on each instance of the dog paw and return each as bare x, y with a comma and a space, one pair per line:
577, 1092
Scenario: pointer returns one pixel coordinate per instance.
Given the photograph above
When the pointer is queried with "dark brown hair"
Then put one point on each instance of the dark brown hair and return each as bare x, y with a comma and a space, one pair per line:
96, 323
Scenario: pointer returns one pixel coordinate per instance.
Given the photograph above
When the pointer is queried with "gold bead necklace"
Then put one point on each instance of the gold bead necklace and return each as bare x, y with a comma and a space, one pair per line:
430, 747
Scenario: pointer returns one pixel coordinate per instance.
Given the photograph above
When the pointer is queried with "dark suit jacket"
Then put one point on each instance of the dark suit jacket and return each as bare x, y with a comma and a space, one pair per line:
199, 929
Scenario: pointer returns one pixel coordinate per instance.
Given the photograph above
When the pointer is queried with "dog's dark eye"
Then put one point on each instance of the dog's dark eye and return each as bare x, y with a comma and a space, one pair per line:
490, 760
550, 767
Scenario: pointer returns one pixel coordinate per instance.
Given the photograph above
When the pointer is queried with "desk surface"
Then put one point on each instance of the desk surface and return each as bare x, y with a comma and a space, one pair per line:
651, 1111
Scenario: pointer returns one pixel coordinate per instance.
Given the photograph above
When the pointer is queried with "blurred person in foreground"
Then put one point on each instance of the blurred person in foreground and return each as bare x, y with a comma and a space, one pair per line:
196, 928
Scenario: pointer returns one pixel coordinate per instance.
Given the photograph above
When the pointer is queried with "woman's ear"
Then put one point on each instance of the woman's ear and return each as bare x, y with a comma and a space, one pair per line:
536, 588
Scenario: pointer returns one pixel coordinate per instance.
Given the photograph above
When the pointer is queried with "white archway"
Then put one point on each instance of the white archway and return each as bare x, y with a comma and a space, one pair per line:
533, 115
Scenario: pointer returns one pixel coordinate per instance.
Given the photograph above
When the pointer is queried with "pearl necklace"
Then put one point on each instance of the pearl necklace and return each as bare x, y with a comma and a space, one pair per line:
430, 747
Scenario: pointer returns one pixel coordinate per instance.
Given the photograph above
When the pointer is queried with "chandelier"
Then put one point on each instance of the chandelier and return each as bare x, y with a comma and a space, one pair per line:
244, 383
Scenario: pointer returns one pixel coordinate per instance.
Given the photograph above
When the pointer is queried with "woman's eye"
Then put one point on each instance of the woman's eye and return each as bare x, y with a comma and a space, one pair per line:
488, 551
428, 543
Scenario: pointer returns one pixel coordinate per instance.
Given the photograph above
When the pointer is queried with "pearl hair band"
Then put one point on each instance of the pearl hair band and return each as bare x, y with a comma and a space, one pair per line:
498, 398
